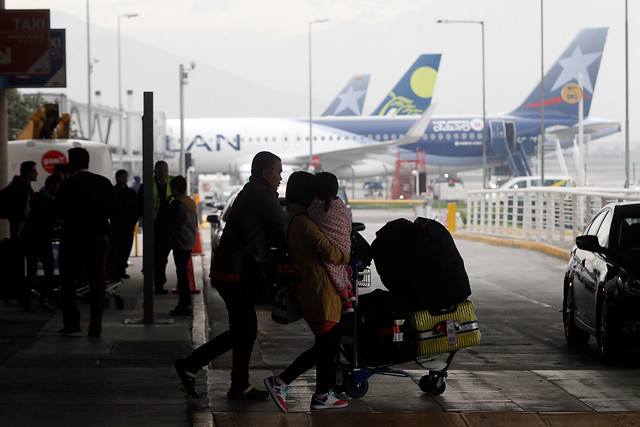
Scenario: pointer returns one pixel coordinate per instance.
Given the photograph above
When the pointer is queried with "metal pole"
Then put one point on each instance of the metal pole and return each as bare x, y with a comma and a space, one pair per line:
484, 121
121, 163
90, 133
4, 146
181, 169
147, 235
626, 97
485, 176
120, 148
317, 21
542, 138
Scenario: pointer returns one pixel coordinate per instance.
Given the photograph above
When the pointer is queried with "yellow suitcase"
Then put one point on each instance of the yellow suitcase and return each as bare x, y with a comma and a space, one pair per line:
446, 331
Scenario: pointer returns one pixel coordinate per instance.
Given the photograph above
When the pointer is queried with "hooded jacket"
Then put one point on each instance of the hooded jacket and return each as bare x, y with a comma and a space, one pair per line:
310, 249
182, 222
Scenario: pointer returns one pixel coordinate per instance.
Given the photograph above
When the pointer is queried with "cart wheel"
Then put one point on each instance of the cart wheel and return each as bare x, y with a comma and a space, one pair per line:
355, 388
119, 302
433, 384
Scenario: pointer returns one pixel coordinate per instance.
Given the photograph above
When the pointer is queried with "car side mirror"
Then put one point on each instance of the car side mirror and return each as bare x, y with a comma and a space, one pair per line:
213, 219
589, 243
358, 226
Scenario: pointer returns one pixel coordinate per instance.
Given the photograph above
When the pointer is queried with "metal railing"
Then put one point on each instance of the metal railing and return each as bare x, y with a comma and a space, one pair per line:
542, 214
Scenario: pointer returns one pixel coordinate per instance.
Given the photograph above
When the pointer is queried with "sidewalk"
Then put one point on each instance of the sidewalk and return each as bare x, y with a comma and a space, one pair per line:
124, 378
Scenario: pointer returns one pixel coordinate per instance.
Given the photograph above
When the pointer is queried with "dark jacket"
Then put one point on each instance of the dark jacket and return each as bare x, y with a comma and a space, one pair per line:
129, 217
42, 219
86, 203
182, 222
256, 224
17, 195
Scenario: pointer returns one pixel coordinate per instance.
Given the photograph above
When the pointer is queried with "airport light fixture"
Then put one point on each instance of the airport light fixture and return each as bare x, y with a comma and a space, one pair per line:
485, 177
129, 16
184, 75
317, 21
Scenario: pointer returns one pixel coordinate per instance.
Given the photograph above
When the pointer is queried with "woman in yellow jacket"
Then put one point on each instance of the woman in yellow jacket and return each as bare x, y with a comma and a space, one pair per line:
321, 306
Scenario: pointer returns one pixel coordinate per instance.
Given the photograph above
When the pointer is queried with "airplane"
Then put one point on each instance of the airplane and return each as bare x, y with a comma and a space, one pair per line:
355, 147
350, 100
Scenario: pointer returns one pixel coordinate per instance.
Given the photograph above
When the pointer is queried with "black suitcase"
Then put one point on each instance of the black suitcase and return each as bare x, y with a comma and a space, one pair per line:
384, 331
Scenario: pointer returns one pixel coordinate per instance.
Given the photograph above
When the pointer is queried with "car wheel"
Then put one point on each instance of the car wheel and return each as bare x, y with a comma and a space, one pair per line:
572, 334
609, 350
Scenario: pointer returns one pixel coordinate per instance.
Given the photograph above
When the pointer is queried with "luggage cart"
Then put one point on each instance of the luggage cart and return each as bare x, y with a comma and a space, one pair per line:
433, 334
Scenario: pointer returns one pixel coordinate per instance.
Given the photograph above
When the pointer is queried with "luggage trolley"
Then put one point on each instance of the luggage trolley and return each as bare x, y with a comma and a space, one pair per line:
419, 336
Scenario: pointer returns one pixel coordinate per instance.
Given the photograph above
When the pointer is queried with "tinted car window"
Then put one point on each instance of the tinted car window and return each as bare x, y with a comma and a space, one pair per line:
592, 228
603, 231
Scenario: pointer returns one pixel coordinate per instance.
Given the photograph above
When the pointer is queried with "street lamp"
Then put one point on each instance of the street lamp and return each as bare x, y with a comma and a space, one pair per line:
317, 21
484, 109
184, 75
127, 15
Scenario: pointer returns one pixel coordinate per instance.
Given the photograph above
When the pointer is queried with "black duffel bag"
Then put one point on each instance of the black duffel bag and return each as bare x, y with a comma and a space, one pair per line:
420, 260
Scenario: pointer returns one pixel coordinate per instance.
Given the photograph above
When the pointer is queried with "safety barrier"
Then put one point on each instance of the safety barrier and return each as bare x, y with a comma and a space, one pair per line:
541, 214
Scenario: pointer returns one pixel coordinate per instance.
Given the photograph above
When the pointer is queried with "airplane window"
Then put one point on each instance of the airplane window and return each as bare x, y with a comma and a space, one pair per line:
463, 135
424, 137
250, 139
432, 136
385, 136
440, 136
456, 135
393, 136
273, 139
285, 139
448, 136
479, 135
370, 136
472, 136
258, 139
330, 138
322, 138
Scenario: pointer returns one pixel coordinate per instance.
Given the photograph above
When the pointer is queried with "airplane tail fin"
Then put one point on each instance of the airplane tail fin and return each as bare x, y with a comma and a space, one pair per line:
350, 100
561, 90
412, 95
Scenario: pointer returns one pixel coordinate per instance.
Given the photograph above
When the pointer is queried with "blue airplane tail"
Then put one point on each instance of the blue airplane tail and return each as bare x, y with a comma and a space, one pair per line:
350, 100
412, 95
561, 90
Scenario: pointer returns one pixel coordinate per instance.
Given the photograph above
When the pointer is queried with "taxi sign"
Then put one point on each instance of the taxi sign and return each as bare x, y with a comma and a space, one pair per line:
25, 42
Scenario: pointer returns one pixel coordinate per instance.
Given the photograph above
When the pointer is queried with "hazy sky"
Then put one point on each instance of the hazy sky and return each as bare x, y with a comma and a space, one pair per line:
266, 42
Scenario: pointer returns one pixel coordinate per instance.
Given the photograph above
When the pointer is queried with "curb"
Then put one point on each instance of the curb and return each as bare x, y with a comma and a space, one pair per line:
556, 251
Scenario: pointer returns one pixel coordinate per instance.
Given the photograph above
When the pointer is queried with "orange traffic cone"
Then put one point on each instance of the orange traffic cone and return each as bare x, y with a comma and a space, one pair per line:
197, 248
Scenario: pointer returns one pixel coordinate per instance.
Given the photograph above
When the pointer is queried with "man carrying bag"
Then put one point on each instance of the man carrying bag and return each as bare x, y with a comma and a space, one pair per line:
256, 224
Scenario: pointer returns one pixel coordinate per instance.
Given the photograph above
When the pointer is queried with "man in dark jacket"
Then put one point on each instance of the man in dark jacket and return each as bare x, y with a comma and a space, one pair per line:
256, 224
86, 203
39, 234
123, 227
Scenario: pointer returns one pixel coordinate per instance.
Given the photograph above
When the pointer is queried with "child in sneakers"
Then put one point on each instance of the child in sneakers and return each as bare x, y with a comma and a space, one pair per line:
333, 218
319, 303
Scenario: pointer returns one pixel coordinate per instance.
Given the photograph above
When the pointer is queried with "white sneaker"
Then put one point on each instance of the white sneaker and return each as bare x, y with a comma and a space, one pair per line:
278, 391
327, 401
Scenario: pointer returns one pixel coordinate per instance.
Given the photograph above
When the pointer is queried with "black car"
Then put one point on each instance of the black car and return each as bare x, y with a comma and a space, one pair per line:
602, 281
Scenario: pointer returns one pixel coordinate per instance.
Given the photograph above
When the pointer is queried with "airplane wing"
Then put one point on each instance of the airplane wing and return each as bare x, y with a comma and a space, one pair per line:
327, 158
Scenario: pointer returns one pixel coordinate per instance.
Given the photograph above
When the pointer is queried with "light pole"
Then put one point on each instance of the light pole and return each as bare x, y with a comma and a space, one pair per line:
184, 75
485, 178
127, 15
542, 137
317, 21
89, 69
626, 96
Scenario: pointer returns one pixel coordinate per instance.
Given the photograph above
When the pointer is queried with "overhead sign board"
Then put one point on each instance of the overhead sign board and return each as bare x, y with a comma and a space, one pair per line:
25, 42
58, 75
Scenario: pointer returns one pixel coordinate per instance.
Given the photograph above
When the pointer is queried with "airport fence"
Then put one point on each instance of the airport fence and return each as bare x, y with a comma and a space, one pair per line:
542, 214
